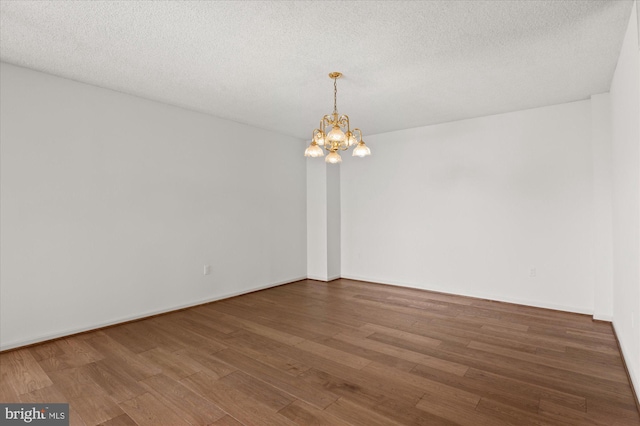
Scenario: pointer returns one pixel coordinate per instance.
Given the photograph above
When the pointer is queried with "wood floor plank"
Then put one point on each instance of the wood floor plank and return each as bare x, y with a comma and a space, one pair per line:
213, 366
304, 414
355, 377
550, 409
495, 381
188, 335
367, 355
262, 330
421, 328
414, 309
249, 347
513, 415
238, 405
514, 368
346, 358
431, 387
460, 414
370, 397
191, 406
7, 393
158, 335
60, 362
606, 372
581, 356
128, 337
205, 316
273, 322
119, 356
46, 350
226, 421
147, 410
403, 354
493, 391
21, 371
494, 335
261, 391
294, 386
52, 394
357, 415
92, 403
136, 368
603, 411
114, 381
79, 350
71, 379
121, 420
344, 352
176, 365
415, 338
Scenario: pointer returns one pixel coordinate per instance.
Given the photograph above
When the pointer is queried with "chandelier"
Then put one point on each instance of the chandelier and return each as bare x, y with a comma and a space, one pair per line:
340, 136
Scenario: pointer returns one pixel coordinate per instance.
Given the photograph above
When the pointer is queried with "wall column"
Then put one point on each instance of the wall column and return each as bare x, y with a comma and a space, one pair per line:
602, 211
323, 220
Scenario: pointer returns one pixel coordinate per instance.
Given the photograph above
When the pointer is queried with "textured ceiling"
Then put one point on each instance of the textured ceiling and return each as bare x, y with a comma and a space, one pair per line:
406, 64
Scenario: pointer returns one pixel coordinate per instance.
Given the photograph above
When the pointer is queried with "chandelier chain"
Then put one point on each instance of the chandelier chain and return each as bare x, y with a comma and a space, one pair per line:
335, 95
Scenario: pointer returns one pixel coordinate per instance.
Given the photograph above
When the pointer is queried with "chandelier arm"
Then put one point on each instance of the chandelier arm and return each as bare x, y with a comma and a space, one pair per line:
344, 121
356, 130
324, 135
326, 121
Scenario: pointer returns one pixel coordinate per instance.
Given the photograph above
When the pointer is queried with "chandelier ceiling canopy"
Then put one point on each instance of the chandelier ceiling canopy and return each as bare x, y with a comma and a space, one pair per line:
339, 137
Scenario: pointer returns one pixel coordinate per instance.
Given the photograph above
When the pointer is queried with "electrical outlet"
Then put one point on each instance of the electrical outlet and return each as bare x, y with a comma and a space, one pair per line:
207, 269
532, 272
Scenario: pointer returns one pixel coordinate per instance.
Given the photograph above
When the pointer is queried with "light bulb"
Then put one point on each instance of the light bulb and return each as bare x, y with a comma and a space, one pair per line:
313, 150
361, 150
320, 138
336, 135
333, 158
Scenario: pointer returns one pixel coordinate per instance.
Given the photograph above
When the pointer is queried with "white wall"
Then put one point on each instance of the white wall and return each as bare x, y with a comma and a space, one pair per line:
471, 207
625, 112
111, 205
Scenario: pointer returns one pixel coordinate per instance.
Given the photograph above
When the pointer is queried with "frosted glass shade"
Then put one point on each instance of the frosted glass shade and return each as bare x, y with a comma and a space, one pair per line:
313, 150
333, 158
361, 150
336, 135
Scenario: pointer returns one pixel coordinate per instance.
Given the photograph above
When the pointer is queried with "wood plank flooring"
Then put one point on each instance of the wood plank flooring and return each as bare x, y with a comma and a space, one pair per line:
338, 353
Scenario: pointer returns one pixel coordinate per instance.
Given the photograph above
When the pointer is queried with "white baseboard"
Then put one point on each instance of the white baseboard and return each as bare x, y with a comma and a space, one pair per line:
325, 279
317, 278
626, 355
603, 317
478, 295
64, 333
